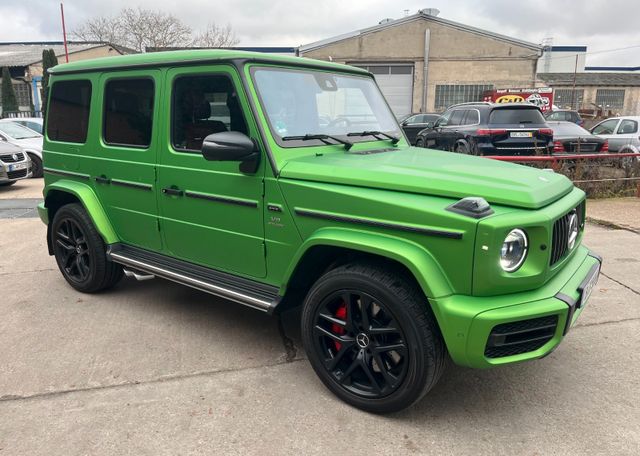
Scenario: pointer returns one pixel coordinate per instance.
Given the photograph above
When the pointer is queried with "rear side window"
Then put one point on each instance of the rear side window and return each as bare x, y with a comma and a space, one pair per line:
128, 112
68, 111
627, 127
516, 116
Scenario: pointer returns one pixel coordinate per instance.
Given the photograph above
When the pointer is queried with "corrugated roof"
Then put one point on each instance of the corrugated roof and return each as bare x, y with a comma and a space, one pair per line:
420, 15
23, 54
591, 79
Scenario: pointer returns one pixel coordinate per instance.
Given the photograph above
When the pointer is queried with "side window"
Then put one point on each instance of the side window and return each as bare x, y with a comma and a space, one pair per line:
443, 120
128, 112
202, 105
627, 127
68, 111
456, 117
606, 127
412, 120
472, 117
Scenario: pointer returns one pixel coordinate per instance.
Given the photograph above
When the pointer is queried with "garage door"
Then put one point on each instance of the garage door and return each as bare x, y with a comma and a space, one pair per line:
396, 84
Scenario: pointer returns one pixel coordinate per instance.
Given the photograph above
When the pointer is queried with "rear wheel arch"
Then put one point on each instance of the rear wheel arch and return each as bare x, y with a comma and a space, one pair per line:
60, 194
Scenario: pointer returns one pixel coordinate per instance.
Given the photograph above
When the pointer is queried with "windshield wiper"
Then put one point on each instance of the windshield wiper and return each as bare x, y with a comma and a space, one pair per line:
377, 135
320, 137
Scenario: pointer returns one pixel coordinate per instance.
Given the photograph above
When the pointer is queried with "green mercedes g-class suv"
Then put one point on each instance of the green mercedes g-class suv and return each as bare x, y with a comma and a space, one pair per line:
278, 182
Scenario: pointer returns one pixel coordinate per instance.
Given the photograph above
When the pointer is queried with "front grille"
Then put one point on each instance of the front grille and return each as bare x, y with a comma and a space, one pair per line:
518, 337
16, 174
560, 240
8, 158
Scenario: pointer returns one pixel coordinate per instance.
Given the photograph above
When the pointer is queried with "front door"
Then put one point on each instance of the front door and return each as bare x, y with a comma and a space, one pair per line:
210, 212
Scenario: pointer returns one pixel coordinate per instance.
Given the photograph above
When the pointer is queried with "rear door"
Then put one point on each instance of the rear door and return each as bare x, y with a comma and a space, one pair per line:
413, 125
210, 212
123, 165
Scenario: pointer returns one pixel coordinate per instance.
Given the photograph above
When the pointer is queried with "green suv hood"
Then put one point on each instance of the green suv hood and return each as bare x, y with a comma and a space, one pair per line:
433, 172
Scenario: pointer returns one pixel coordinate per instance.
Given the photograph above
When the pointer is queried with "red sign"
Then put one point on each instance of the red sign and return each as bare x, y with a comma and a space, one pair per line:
541, 96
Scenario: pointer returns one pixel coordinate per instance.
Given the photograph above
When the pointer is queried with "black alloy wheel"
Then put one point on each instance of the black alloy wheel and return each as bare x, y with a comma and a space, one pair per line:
72, 249
80, 251
371, 337
360, 344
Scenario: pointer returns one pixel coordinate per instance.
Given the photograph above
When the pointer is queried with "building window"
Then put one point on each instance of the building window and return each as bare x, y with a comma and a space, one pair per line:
451, 94
68, 111
610, 98
23, 93
128, 112
568, 98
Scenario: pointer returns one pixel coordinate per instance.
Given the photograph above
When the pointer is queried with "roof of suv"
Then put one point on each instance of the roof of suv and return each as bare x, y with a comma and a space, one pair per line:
488, 105
169, 58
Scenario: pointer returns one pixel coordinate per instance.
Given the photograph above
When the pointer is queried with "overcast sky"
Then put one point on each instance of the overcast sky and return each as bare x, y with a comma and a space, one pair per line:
602, 25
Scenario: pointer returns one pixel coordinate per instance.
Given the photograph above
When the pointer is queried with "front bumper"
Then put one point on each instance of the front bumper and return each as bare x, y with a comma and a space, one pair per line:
471, 325
10, 176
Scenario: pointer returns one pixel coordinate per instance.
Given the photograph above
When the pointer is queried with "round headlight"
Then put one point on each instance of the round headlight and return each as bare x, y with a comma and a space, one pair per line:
514, 250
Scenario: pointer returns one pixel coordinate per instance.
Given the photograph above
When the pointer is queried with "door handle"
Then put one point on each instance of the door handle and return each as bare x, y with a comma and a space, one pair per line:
172, 191
102, 179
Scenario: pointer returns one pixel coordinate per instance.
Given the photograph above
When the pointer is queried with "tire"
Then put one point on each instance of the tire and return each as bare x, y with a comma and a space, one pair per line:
80, 251
419, 143
462, 148
7, 184
36, 166
399, 316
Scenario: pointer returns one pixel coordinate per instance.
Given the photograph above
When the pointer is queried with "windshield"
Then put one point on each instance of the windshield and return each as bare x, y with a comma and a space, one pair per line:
15, 131
308, 102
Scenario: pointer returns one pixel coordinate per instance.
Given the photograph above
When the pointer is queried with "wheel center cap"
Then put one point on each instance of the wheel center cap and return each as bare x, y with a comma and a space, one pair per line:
362, 340
78, 249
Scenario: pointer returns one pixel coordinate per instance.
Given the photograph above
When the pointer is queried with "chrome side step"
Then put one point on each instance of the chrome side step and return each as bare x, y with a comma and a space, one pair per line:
139, 276
143, 265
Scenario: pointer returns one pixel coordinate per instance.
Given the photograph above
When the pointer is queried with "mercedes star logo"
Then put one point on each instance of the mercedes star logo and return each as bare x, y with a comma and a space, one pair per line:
362, 340
573, 230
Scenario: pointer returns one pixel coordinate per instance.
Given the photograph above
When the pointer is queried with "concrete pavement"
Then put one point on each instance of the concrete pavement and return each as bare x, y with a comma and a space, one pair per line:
155, 368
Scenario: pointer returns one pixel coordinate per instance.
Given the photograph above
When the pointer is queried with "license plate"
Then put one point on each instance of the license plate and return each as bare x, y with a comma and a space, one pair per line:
521, 134
17, 166
588, 284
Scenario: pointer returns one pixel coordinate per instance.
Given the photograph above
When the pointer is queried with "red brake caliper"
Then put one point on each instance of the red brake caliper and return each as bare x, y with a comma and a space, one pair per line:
341, 313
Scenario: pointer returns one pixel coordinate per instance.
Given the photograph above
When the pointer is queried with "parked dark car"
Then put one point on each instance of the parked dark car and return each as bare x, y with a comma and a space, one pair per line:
413, 123
571, 138
490, 129
565, 115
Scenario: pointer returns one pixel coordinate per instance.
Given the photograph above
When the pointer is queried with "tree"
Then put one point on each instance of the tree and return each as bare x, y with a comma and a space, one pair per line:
9, 101
49, 60
215, 37
137, 29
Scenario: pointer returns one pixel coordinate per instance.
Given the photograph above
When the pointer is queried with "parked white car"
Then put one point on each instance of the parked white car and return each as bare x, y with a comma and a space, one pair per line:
32, 123
622, 132
28, 140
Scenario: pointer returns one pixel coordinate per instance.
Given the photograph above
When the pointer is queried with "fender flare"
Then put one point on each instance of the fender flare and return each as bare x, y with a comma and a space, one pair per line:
87, 197
419, 261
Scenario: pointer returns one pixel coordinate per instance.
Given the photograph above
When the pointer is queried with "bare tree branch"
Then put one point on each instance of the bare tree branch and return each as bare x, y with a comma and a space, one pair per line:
215, 37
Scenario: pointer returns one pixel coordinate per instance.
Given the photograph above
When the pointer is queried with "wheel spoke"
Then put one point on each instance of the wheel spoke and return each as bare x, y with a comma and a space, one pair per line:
352, 367
333, 319
369, 373
64, 245
365, 306
399, 347
346, 297
323, 332
331, 363
389, 378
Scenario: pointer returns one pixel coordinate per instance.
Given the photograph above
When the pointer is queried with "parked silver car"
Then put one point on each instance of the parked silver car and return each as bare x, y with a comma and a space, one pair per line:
14, 164
622, 132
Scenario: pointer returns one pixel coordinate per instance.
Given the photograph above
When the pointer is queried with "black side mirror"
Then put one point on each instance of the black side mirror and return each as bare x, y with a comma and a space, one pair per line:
405, 123
232, 146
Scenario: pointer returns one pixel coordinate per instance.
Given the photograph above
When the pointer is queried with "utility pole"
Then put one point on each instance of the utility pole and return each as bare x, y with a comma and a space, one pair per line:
64, 34
573, 91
